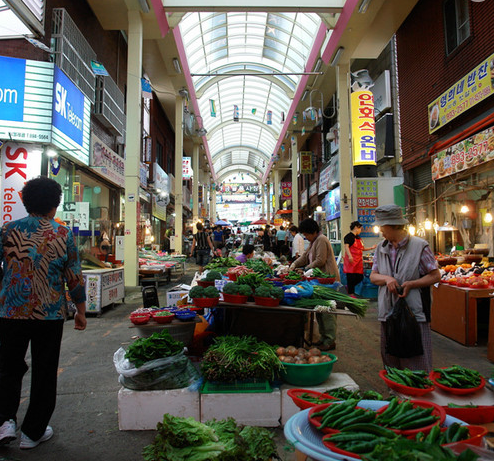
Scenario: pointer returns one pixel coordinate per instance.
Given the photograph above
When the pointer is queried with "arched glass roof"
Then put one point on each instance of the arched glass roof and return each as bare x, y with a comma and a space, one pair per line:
238, 43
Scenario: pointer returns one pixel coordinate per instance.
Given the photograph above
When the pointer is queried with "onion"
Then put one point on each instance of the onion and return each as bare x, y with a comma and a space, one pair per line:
281, 351
314, 352
282, 358
302, 352
324, 358
300, 360
291, 351
314, 359
289, 359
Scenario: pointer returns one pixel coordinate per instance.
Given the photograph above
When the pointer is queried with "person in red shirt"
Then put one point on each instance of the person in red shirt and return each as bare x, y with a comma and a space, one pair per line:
353, 263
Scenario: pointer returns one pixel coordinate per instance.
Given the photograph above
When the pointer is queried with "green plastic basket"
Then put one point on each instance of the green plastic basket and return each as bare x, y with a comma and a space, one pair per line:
308, 374
238, 387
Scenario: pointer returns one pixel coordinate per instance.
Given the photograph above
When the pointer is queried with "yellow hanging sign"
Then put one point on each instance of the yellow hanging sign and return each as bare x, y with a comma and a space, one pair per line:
363, 128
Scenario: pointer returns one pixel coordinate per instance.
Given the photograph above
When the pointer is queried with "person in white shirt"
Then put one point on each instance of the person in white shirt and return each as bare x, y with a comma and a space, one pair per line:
298, 245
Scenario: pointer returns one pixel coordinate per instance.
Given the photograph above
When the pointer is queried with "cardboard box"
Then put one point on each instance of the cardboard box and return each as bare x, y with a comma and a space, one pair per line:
176, 294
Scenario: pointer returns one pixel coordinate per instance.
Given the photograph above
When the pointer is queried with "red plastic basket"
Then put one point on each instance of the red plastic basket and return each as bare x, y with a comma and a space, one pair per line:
232, 277
204, 284
438, 410
140, 319
206, 302
332, 446
295, 394
326, 280
476, 434
434, 375
483, 414
316, 420
234, 299
161, 319
407, 390
263, 301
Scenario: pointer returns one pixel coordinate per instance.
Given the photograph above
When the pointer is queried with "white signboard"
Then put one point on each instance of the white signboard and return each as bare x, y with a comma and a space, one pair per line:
20, 162
186, 167
112, 287
161, 180
106, 162
119, 247
82, 215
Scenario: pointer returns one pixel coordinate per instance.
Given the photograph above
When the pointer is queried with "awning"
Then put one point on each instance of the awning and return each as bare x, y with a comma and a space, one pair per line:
471, 130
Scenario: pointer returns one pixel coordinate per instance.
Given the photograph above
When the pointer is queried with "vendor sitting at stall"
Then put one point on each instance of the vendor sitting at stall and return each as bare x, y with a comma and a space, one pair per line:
247, 253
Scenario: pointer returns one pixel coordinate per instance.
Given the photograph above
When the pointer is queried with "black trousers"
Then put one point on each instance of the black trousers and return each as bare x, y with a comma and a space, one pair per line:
352, 280
45, 337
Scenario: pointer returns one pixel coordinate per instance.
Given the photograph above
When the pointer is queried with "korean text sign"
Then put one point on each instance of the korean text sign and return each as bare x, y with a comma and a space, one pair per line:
363, 128
286, 190
473, 88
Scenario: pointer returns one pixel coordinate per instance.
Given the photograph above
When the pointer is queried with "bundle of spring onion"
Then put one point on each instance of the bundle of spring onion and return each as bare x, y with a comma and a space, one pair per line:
323, 296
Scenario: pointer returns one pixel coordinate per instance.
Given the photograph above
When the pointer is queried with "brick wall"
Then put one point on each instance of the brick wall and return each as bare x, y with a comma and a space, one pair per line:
425, 71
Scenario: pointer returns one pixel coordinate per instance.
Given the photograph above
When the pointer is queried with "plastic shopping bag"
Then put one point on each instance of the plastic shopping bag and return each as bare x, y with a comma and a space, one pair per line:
403, 335
173, 372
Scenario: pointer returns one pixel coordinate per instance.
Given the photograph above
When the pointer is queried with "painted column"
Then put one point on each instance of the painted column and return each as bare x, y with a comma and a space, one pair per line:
276, 187
263, 199
179, 143
133, 148
345, 152
295, 180
268, 200
213, 204
195, 184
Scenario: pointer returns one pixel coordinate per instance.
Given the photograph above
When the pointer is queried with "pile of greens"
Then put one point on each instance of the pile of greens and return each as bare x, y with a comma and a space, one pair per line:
232, 358
253, 280
212, 276
237, 289
316, 272
259, 266
185, 439
201, 292
269, 292
342, 393
157, 346
223, 263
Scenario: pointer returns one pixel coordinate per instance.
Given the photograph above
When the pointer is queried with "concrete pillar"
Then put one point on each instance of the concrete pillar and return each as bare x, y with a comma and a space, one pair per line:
295, 181
179, 148
268, 201
345, 152
276, 187
195, 183
213, 205
263, 200
133, 148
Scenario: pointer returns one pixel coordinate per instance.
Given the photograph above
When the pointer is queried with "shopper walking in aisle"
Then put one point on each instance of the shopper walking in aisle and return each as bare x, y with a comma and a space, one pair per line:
298, 245
319, 254
280, 240
353, 262
403, 262
266, 238
218, 237
39, 257
203, 247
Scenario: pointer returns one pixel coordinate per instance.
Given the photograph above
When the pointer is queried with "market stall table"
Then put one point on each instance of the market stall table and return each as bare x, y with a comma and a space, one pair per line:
454, 314
281, 325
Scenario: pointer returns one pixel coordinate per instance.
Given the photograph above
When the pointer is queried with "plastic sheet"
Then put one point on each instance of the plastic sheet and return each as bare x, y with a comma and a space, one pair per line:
173, 372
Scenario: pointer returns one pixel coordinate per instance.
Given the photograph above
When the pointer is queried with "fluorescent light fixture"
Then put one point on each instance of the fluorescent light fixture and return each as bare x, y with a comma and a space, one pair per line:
363, 6
336, 57
304, 96
50, 152
176, 65
318, 65
144, 6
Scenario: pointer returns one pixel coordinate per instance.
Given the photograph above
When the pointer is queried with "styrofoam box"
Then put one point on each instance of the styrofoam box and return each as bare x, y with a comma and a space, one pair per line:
335, 380
254, 409
175, 294
142, 410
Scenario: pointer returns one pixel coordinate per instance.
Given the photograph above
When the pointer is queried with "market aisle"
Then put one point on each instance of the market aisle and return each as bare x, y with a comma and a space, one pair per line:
86, 420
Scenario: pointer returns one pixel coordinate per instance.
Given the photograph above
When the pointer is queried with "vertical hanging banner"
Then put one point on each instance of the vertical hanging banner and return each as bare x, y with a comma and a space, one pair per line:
254, 111
363, 128
306, 163
212, 107
270, 117
286, 191
235, 113
146, 90
186, 167
20, 163
295, 118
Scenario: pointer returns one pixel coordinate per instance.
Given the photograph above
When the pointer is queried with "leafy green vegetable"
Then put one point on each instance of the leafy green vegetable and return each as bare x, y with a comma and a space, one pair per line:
213, 275
211, 292
184, 439
231, 288
253, 280
316, 272
259, 266
217, 263
263, 291
244, 290
233, 358
157, 346
196, 292
277, 292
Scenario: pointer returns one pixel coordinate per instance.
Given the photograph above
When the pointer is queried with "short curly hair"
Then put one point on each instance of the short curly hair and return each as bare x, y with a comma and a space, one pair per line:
40, 195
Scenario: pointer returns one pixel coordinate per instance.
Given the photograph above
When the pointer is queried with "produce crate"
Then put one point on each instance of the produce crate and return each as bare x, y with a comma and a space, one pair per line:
237, 387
